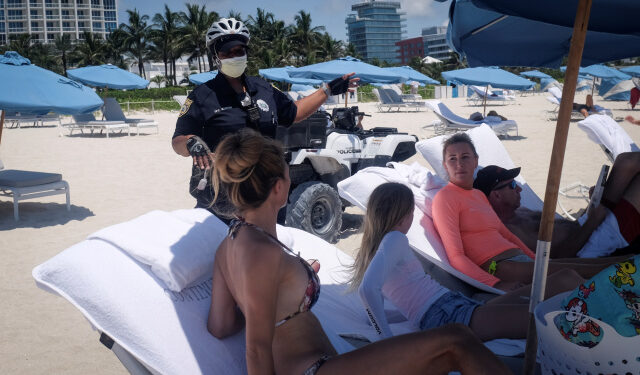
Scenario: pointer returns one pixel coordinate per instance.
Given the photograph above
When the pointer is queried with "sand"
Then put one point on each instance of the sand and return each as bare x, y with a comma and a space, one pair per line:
116, 179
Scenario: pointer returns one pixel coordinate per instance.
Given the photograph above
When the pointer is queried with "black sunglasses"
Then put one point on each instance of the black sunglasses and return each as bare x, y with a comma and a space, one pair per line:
513, 184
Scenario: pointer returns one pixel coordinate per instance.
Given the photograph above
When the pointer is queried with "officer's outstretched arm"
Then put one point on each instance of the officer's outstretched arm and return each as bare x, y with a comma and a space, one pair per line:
309, 104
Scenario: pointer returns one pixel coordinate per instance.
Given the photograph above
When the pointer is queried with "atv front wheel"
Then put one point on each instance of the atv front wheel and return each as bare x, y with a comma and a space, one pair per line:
316, 208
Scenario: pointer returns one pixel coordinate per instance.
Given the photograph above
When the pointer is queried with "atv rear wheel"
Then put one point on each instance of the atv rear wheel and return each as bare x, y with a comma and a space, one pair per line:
316, 208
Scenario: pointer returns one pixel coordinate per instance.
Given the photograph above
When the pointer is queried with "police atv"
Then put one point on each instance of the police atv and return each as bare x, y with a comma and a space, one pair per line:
325, 149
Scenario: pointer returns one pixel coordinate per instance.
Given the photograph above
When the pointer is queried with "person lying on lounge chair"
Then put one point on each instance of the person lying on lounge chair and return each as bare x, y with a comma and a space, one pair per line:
261, 285
586, 107
614, 224
386, 268
477, 243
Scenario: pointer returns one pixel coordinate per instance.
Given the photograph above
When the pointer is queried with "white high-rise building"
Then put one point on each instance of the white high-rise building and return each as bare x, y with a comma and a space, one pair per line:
44, 19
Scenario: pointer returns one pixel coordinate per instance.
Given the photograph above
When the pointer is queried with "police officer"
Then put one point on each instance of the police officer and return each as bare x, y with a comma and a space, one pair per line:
232, 101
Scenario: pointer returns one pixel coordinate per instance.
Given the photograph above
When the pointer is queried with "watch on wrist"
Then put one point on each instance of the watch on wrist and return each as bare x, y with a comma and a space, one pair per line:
325, 88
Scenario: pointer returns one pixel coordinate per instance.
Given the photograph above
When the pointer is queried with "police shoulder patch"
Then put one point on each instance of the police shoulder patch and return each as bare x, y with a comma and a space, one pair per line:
185, 107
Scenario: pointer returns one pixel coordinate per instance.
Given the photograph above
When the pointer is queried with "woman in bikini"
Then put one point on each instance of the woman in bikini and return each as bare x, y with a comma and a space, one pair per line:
477, 243
260, 285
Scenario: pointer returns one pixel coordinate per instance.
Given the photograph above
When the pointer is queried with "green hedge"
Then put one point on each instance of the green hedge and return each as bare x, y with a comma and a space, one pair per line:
164, 93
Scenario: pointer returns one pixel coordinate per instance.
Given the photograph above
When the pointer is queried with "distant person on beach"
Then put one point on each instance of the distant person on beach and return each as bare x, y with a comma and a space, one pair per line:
586, 107
264, 290
612, 225
232, 101
477, 243
386, 268
632, 120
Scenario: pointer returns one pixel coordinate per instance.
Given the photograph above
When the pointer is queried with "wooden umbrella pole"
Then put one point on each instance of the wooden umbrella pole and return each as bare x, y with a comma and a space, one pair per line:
553, 180
346, 98
1, 124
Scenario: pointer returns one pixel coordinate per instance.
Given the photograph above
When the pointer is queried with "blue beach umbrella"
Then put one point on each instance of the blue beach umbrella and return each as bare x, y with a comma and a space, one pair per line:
108, 76
282, 75
329, 70
631, 70
413, 75
510, 38
200, 78
483, 76
27, 88
610, 78
535, 74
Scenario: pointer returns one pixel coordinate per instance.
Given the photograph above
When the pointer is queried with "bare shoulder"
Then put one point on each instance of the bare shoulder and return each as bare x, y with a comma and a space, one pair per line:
254, 248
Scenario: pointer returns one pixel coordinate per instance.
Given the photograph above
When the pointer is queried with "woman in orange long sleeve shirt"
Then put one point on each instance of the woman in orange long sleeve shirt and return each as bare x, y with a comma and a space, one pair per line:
476, 241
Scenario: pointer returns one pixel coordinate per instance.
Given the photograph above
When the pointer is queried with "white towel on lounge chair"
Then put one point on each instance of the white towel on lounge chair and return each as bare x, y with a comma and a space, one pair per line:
166, 330
603, 130
178, 251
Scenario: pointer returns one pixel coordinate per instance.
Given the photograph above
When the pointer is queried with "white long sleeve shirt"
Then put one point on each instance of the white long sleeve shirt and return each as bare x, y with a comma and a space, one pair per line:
397, 275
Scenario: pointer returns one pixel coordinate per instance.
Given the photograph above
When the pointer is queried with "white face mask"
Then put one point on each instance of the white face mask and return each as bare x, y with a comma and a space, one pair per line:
233, 67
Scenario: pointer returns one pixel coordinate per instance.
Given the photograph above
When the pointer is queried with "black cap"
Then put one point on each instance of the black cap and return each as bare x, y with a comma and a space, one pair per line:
225, 44
490, 176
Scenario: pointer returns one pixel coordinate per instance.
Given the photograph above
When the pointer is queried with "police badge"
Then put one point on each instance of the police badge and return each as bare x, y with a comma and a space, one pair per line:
185, 107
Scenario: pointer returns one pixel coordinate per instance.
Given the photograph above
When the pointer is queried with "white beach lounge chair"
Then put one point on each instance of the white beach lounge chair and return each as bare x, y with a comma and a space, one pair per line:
406, 97
606, 132
452, 122
15, 120
22, 185
155, 329
556, 97
384, 102
87, 122
397, 98
481, 93
113, 112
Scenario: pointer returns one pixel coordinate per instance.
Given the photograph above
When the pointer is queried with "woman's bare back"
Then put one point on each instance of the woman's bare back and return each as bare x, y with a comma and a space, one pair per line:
299, 341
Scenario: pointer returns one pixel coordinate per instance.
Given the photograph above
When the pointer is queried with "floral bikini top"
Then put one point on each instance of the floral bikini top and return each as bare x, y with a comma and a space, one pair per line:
312, 292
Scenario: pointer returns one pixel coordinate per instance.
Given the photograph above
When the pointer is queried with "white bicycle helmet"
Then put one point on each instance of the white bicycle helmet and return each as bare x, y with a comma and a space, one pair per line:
227, 29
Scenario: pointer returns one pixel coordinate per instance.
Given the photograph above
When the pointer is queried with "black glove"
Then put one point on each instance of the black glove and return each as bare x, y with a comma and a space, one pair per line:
339, 86
197, 147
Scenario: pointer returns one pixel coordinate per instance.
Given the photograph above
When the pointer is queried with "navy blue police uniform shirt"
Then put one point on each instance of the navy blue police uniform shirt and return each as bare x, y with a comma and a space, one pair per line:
213, 110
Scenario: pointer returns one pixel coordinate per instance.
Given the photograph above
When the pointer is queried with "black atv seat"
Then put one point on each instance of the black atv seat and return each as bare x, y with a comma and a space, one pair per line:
309, 133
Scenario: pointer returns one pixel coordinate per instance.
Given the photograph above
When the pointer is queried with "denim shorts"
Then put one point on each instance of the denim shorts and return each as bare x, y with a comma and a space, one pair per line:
452, 307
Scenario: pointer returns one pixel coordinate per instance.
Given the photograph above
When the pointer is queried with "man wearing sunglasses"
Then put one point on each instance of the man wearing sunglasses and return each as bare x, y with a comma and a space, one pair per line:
610, 229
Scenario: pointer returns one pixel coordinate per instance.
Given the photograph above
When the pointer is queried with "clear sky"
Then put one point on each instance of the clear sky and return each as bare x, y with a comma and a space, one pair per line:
328, 13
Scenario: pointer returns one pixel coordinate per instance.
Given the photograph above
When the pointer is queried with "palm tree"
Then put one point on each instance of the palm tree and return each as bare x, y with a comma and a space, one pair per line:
44, 56
307, 37
137, 34
21, 43
196, 24
165, 36
115, 48
90, 50
261, 26
330, 48
63, 46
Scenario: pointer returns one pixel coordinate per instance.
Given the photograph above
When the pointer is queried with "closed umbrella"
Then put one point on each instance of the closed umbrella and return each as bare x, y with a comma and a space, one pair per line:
541, 33
108, 76
27, 88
